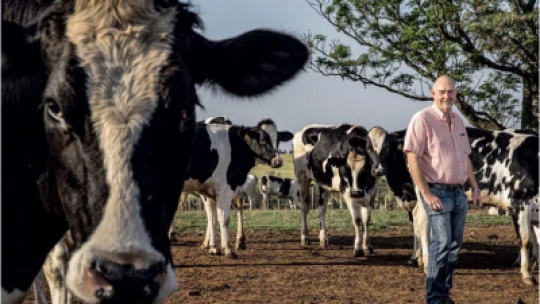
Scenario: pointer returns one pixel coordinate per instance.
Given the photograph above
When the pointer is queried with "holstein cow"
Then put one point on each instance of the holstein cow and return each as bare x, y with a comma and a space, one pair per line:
98, 104
281, 188
394, 167
339, 159
221, 158
506, 168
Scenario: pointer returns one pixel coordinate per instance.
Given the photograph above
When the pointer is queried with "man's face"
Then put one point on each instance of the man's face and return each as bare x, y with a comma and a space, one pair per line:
444, 94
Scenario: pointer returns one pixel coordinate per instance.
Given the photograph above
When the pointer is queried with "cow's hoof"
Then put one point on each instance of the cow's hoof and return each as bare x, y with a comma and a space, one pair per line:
204, 246
530, 281
358, 253
371, 251
241, 244
305, 242
231, 255
413, 262
325, 243
214, 251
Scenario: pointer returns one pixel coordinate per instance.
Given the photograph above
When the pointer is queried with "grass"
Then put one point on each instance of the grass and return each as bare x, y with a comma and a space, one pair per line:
286, 171
335, 220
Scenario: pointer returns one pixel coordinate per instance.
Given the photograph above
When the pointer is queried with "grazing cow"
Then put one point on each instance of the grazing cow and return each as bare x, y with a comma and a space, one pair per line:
98, 115
221, 158
339, 159
281, 188
249, 189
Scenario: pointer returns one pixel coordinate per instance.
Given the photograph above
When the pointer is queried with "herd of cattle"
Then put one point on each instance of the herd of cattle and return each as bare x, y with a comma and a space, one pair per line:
100, 140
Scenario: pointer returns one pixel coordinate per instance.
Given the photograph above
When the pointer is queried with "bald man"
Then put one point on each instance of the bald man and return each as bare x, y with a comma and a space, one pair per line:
438, 149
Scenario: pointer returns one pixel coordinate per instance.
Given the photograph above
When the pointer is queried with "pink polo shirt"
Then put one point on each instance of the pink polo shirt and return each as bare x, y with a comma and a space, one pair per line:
444, 152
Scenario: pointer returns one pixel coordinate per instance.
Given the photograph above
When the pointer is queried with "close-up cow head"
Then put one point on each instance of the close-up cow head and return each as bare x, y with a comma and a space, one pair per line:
118, 116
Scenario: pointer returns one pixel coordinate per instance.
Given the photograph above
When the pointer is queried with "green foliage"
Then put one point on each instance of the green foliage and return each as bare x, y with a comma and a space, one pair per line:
408, 44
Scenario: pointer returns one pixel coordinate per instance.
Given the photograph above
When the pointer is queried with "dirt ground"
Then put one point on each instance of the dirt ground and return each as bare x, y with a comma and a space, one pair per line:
275, 269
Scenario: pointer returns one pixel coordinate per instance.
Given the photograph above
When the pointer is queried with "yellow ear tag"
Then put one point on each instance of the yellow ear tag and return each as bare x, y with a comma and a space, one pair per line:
400, 146
246, 137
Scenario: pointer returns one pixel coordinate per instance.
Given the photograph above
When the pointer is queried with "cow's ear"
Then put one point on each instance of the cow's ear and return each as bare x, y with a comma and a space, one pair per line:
246, 65
21, 52
248, 134
284, 136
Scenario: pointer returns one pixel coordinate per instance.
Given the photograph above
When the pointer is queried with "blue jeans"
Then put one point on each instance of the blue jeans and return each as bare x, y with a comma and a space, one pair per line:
446, 239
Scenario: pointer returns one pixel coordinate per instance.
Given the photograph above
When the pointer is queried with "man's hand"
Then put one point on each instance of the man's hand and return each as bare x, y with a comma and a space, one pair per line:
477, 200
433, 201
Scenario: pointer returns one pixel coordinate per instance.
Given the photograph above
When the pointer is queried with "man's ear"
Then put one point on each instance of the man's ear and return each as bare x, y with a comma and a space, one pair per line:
21, 49
250, 64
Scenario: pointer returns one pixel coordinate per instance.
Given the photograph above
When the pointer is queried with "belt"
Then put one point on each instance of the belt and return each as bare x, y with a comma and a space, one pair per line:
449, 187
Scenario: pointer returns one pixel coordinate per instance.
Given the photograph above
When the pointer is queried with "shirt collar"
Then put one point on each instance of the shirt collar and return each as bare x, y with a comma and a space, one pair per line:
439, 113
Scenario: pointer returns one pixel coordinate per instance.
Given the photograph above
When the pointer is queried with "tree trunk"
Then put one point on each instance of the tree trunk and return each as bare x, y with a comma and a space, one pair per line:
470, 114
529, 109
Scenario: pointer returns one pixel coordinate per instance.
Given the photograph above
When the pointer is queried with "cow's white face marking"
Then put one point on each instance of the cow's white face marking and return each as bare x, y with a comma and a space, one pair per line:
122, 55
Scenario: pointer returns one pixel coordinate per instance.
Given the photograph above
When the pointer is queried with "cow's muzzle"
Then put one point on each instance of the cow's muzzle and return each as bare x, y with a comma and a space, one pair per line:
276, 162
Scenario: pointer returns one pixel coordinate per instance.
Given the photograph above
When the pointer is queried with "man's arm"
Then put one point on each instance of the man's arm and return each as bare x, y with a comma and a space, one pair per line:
420, 181
416, 173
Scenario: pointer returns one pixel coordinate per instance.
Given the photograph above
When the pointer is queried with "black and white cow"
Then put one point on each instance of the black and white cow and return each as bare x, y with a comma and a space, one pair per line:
339, 159
281, 188
98, 103
506, 168
395, 169
221, 158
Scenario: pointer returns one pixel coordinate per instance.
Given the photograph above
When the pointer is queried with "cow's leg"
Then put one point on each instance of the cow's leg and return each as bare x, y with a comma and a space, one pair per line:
305, 199
39, 296
421, 232
357, 221
414, 258
210, 239
55, 270
240, 237
323, 201
524, 222
366, 217
224, 199
250, 203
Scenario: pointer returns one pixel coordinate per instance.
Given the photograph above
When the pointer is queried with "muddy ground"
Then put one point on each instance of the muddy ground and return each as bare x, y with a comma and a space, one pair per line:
275, 269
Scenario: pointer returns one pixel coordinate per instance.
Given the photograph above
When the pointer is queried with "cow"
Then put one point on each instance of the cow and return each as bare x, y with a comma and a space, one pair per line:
281, 188
98, 114
221, 158
506, 168
339, 159
395, 169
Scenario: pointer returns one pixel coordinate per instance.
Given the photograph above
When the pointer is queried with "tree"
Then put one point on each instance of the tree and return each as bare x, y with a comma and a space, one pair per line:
489, 47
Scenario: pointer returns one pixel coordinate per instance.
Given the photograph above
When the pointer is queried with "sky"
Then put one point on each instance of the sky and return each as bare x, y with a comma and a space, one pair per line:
310, 97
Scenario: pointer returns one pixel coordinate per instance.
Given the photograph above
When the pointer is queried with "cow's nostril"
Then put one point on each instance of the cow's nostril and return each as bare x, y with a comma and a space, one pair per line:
151, 289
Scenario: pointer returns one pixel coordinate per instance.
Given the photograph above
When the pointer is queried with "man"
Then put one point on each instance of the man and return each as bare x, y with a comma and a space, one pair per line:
437, 149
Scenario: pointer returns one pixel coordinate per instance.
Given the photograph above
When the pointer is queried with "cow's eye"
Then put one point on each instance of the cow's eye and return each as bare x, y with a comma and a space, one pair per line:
54, 109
